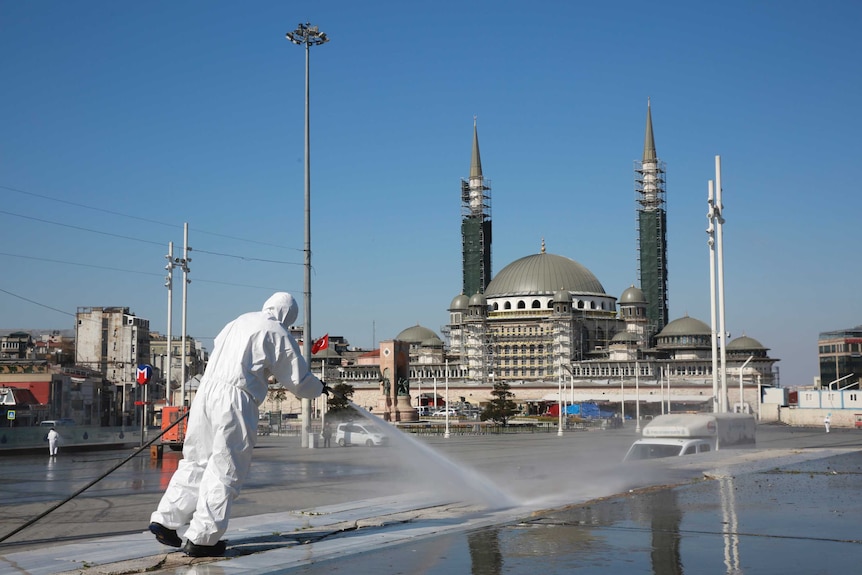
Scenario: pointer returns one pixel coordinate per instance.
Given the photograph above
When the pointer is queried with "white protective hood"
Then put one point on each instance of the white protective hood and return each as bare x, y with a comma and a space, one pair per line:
282, 307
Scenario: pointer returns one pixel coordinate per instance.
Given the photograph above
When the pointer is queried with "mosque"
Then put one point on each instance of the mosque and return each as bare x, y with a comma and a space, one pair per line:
545, 322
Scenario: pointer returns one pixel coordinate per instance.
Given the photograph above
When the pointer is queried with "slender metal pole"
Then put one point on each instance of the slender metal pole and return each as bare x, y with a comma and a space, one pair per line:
559, 401
306, 335
637, 399
307, 35
622, 399
661, 390
741, 369
186, 261
719, 240
710, 230
446, 434
169, 282
667, 381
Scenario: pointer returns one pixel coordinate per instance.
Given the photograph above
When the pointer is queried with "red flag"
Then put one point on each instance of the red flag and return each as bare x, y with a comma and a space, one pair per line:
320, 344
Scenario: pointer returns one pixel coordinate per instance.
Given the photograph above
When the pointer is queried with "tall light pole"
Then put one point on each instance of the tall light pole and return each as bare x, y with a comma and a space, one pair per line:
308, 36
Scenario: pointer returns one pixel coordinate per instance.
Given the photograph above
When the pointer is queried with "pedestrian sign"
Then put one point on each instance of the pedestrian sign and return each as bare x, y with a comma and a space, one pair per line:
10, 415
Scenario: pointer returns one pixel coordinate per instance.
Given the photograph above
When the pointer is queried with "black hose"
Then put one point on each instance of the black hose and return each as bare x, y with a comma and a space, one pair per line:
93, 482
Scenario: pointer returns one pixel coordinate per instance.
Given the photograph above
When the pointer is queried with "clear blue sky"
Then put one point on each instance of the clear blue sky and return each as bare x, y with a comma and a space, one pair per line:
122, 120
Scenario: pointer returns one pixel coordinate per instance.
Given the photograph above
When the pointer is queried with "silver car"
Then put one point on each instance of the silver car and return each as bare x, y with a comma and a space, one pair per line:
359, 434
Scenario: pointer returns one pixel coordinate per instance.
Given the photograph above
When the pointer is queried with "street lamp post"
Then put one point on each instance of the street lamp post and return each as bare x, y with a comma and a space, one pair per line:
637, 399
308, 36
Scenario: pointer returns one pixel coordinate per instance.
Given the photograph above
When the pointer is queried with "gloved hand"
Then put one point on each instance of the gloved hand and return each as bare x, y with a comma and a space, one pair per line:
326, 389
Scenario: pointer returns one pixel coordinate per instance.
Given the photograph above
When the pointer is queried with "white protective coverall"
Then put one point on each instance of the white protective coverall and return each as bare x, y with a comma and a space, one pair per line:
222, 424
53, 441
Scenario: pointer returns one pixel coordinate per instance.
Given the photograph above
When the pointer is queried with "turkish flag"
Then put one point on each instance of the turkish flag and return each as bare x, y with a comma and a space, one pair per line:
320, 344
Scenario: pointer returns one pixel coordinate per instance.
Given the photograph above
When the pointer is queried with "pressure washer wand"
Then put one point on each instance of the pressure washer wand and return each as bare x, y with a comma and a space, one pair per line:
93, 482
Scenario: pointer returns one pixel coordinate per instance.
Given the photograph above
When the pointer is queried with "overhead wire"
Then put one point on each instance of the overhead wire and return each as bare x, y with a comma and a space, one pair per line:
125, 237
137, 218
109, 268
141, 219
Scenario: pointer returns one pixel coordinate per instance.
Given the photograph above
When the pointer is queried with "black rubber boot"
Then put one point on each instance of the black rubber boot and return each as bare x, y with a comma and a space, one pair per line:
193, 550
165, 536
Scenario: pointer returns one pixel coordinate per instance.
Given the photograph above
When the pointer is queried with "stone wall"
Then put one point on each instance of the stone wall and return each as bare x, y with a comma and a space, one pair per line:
805, 417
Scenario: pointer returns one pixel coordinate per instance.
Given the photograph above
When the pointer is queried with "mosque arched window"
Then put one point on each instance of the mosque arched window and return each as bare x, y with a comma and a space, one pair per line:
521, 304
507, 305
536, 304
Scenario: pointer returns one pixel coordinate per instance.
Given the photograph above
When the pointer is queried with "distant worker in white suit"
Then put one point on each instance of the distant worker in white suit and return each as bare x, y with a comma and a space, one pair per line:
53, 442
827, 420
222, 425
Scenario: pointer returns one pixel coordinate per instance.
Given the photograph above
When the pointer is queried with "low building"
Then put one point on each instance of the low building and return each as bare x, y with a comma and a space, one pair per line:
840, 356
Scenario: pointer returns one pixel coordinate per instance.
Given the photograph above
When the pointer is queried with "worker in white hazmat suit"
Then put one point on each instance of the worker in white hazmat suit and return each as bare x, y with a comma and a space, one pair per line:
53, 442
222, 424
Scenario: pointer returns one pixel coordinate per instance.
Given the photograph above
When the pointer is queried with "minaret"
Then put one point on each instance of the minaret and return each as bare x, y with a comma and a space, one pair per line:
475, 225
652, 232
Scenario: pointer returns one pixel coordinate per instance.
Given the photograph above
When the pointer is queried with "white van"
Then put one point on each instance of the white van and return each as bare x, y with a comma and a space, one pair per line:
359, 434
56, 422
666, 447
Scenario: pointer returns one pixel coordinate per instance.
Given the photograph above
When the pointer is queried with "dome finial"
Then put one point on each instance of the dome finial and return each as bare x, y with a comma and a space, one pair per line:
543, 245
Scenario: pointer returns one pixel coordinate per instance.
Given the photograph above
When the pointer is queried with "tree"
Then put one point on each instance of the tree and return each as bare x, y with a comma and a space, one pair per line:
501, 408
339, 402
277, 394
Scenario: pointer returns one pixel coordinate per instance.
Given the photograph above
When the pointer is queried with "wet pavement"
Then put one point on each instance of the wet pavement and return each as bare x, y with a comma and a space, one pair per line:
570, 506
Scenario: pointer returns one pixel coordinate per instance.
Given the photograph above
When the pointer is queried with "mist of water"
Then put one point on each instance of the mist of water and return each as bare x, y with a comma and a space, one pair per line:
463, 484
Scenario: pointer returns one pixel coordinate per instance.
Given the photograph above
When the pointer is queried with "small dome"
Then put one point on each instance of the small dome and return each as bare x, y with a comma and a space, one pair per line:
744, 343
624, 337
459, 303
478, 299
563, 296
416, 334
685, 326
632, 295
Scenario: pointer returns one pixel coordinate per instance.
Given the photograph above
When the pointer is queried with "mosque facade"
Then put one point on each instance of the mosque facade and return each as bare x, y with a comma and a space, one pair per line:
546, 318
546, 321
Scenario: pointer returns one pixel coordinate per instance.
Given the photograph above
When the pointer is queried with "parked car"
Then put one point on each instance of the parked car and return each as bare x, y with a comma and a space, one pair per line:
442, 412
359, 434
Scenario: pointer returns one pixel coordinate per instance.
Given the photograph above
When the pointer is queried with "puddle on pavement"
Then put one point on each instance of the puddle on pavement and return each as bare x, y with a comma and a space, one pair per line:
801, 519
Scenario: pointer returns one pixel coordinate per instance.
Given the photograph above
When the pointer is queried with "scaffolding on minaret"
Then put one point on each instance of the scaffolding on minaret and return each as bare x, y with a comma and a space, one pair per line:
475, 225
652, 233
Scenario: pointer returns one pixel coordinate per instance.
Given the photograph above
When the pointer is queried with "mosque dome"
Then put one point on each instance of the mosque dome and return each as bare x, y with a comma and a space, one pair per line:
744, 343
416, 334
685, 326
685, 333
543, 273
632, 295
433, 342
460, 302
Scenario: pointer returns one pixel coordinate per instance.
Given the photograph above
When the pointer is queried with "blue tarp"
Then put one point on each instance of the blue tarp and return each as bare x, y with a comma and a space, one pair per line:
588, 410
